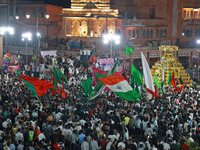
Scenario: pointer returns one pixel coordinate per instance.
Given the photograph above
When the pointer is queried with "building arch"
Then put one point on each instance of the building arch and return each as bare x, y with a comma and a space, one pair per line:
144, 34
84, 28
165, 33
111, 27
129, 33
157, 33
133, 33
151, 34
137, 34
76, 28
147, 33
68, 27
161, 33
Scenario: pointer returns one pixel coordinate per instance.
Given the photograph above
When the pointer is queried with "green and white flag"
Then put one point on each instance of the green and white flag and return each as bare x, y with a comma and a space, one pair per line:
120, 87
100, 87
87, 86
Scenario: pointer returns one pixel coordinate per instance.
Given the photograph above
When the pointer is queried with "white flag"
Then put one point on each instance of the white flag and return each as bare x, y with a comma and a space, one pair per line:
147, 77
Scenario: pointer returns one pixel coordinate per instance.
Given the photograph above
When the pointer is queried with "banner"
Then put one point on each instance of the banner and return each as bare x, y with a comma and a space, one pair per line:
50, 53
106, 64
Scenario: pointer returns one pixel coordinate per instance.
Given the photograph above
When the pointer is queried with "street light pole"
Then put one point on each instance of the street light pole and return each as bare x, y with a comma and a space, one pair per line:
26, 37
199, 67
3, 31
26, 53
111, 48
111, 37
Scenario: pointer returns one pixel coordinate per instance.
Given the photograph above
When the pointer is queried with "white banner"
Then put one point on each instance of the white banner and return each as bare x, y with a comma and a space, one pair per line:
50, 53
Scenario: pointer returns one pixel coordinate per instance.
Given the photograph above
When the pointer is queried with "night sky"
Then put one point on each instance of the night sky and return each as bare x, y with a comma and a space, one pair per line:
63, 3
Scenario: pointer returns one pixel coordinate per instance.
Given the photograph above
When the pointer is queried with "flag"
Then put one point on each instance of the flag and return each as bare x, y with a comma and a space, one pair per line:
147, 77
163, 80
157, 85
171, 80
87, 86
61, 75
99, 89
156, 92
156, 80
53, 91
63, 94
36, 86
136, 75
97, 72
18, 73
120, 86
129, 50
179, 89
57, 77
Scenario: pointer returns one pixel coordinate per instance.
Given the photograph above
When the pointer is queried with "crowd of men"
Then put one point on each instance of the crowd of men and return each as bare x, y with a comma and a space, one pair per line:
105, 123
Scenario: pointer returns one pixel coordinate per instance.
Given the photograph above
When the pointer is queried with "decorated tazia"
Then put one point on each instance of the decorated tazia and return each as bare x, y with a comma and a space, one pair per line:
19, 61
6, 61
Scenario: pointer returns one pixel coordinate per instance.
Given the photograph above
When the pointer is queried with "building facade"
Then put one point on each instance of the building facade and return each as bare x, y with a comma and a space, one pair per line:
144, 24
34, 17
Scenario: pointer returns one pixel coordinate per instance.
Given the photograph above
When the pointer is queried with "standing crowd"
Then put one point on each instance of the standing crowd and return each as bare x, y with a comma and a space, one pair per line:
105, 123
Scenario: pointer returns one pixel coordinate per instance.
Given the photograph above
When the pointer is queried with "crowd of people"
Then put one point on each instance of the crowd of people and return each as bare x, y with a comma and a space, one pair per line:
105, 123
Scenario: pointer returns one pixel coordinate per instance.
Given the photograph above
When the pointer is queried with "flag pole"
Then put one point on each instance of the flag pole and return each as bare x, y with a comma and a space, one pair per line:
40, 101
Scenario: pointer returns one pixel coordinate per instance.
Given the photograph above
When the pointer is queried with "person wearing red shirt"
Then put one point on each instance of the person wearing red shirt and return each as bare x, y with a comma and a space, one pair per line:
57, 146
103, 144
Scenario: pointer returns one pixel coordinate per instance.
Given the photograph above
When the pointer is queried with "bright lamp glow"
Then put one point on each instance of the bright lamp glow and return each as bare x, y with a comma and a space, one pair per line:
196, 9
198, 41
27, 36
17, 17
109, 37
4, 30
47, 16
38, 34
28, 16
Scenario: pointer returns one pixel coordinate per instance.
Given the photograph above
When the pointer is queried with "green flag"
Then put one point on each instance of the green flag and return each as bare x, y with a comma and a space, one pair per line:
18, 73
129, 50
132, 83
99, 75
100, 87
156, 80
87, 86
136, 75
170, 77
61, 75
163, 80
57, 77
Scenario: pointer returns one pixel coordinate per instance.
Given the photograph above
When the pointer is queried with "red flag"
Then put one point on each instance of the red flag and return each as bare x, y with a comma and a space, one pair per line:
91, 112
179, 89
156, 92
58, 90
36, 86
172, 81
63, 94
53, 91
